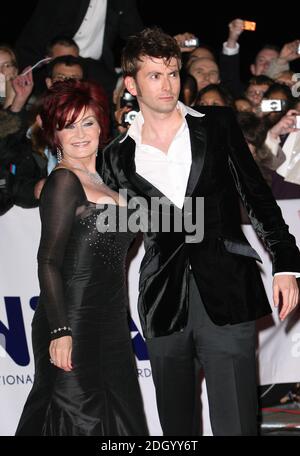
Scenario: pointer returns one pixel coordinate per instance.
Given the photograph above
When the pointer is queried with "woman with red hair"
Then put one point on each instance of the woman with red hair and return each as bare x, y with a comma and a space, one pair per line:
85, 375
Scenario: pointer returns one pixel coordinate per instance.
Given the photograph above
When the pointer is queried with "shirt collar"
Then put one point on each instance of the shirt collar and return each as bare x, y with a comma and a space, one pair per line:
135, 129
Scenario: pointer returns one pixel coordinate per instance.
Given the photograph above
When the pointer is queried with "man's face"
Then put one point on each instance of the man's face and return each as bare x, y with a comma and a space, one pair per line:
61, 72
263, 61
205, 71
156, 85
255, 93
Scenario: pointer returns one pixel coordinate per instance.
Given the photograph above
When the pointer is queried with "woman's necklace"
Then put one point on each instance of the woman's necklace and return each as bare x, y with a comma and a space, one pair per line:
94, 177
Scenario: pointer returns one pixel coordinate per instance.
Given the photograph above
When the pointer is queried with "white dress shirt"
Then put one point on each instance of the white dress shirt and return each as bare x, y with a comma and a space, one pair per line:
230, 51
89, 37
168, 172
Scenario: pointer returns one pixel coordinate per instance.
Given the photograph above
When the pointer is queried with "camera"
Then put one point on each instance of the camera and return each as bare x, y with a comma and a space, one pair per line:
193, 42
272, 105
129, 101
250, 26
129, 117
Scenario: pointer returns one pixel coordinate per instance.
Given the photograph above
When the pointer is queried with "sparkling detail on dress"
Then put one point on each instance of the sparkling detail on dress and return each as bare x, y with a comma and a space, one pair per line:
110, 246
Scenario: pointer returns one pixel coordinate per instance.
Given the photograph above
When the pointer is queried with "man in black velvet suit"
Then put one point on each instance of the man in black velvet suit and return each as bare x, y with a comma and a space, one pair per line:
198, 301
66, 17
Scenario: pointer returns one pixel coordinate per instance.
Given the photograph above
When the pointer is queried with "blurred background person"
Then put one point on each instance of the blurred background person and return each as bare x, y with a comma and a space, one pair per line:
94, 25
214, 95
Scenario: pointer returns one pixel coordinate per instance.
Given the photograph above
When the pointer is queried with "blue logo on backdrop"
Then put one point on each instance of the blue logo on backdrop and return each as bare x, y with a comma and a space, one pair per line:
139, 345
13, 336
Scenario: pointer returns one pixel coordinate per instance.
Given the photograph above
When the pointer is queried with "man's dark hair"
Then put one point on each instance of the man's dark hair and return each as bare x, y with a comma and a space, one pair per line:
68, 60
152, 42
260, 80
272, 47
63, 41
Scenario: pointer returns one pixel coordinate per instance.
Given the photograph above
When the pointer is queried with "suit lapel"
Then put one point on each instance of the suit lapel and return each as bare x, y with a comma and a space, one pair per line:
136, 182
198, 147
140, 185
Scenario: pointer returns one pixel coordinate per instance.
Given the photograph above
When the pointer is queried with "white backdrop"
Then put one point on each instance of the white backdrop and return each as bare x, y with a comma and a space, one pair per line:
279, 343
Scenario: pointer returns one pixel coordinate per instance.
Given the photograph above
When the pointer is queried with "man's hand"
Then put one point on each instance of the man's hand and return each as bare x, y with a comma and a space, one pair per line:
286, 287
285, 125
181, 38
289, 52
236, 27
118, 117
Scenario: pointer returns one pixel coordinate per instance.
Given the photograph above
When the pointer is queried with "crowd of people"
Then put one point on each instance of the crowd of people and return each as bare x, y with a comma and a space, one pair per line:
185, 120
267, 107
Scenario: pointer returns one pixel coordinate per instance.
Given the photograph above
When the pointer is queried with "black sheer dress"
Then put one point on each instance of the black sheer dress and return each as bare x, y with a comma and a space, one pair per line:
83, 294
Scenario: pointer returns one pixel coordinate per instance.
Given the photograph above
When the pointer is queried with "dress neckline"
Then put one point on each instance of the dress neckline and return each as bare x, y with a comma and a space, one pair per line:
86, 198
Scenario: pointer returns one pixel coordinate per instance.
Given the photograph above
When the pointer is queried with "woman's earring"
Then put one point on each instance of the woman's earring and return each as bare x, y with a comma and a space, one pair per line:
58, 155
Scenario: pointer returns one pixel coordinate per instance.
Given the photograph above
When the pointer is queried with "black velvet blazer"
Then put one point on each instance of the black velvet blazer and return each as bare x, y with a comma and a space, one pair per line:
223, 263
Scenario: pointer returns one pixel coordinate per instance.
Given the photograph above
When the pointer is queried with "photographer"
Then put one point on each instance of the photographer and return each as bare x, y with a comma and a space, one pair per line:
255, 91
126, 109
283, 139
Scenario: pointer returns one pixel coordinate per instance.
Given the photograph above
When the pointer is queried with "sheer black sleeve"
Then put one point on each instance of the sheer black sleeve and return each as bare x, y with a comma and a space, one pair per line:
60, 197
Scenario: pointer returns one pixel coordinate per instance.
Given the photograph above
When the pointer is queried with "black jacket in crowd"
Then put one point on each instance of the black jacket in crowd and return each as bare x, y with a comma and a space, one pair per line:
20, 167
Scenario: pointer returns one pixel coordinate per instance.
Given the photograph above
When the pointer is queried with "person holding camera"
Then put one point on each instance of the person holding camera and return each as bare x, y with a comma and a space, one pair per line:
198, 301
283, 139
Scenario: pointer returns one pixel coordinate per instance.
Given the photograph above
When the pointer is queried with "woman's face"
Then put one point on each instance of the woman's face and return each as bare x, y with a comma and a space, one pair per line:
80, 139
211, 98
7, 65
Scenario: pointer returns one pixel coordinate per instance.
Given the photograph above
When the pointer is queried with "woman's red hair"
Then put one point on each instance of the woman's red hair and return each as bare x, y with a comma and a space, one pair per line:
63, 103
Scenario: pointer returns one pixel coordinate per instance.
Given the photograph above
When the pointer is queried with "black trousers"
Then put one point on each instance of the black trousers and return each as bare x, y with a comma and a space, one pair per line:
227, 356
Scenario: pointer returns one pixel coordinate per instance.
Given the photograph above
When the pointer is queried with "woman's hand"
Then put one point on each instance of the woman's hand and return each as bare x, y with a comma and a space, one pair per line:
60, 353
